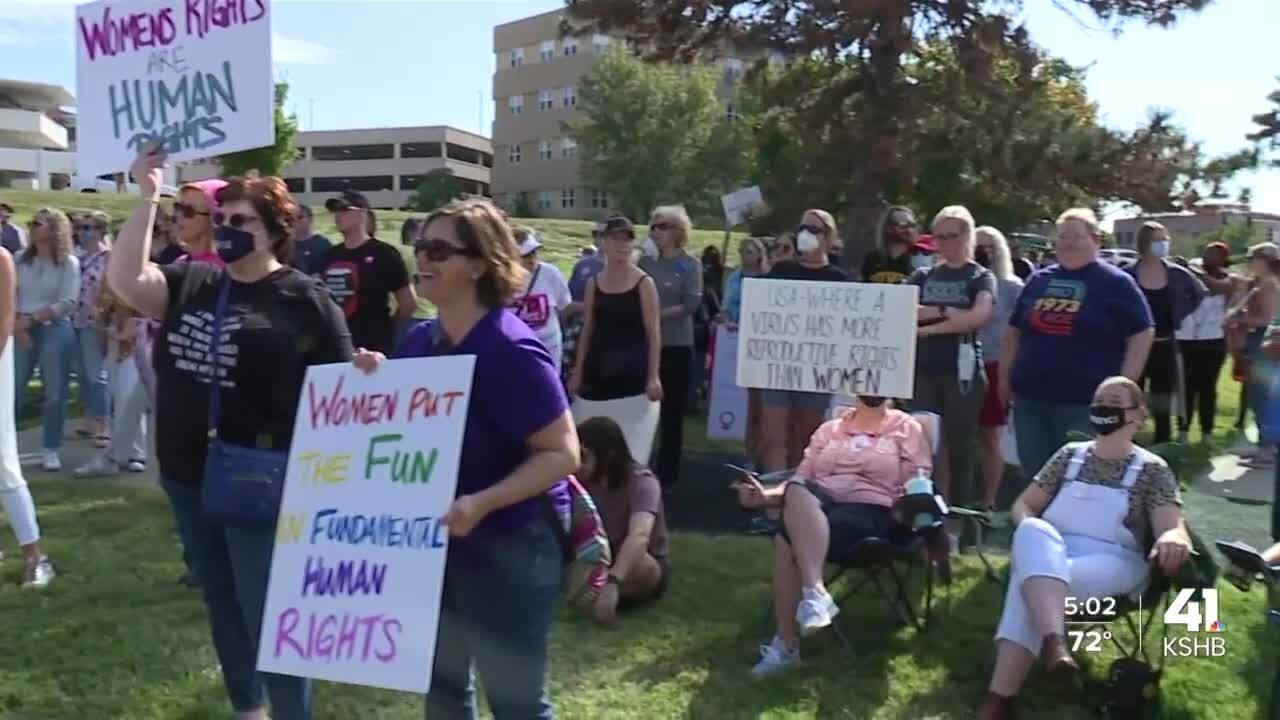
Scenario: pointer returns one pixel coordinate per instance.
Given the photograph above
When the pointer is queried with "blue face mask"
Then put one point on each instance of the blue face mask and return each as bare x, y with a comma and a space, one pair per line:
87, 238
232, 244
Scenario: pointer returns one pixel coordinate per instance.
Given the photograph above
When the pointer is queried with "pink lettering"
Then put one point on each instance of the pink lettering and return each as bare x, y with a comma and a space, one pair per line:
285, 626
360, 409
334, 636
111, 36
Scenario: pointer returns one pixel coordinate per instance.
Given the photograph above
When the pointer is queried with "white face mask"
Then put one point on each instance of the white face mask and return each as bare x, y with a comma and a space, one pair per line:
1160, 248
807, 242
921, 262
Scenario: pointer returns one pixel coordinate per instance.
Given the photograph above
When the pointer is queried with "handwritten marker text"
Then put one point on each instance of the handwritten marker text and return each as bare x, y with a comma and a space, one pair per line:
337, 636
380, 530
412, 466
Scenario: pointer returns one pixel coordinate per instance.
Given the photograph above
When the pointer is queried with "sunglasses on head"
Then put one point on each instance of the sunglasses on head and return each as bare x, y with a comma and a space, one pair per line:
187, 211
235, 220
815, 229
439, 251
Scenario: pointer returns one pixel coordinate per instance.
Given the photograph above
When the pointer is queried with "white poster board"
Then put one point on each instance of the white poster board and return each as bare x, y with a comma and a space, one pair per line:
359, 558
833, 337
194, 76
637, 416
737, 204
727, 416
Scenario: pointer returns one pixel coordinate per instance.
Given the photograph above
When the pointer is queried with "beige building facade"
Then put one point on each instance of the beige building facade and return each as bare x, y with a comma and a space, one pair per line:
1189, 225
535, 94
385, 164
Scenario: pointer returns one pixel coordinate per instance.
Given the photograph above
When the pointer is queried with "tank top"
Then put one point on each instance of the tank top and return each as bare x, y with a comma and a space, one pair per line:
617, 361
1161, 310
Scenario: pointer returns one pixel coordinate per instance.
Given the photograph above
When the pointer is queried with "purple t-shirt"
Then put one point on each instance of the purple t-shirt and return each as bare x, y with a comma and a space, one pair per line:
515, 392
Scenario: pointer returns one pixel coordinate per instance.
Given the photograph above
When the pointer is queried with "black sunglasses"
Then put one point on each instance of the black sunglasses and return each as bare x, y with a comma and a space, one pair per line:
235, 220
902, 224
187, 211
439, 251
661, 226
36, 223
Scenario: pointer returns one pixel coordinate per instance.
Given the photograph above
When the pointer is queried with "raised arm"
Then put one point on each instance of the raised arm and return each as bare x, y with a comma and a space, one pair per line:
140, 284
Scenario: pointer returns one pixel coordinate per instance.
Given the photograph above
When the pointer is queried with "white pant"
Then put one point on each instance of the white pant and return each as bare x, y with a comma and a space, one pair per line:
131, 403
1089, 567
15, 496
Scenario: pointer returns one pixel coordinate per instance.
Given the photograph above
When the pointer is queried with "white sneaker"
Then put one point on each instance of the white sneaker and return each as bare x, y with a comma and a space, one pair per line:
41, 575
775, 658
136, 466
99, 466
50, 462
816, 611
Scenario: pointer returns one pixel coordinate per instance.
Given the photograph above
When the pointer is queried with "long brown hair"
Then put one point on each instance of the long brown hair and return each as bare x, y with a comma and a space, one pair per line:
59, 226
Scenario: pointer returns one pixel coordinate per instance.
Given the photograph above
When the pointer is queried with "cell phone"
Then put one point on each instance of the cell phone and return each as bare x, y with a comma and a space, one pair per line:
740, 469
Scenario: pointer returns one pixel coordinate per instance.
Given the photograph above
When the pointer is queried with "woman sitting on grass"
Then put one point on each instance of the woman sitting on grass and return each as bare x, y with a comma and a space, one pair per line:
629, 499
1083, 527
854, 468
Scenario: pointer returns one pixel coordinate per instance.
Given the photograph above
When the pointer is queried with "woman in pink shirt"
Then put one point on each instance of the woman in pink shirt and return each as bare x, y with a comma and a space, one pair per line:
854, 468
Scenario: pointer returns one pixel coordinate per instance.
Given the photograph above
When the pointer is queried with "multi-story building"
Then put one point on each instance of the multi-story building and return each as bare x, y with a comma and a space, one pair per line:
1206, 216
535, 93
385, 164
37, 135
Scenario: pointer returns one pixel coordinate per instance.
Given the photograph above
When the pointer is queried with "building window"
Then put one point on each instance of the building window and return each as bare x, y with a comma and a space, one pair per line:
544, 100
368, 183
296, 185
353, 152
566, 199
516, 104
599, 43
420, 150
462, 154
544, 200
733, 68
517, 57
599, 198
513, 154
548, 50
570, 97
302, 153
544, 150
570, 47
568, 148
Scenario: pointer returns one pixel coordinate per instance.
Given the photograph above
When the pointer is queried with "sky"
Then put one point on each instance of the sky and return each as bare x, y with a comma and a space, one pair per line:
430, 62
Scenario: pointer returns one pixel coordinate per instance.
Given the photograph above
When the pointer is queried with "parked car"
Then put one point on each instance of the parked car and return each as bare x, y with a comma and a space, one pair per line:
1120, 257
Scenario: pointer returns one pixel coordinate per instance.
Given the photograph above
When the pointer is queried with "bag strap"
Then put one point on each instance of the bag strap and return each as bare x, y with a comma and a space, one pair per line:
215, 346
533, 280
1078, 456
1131, 473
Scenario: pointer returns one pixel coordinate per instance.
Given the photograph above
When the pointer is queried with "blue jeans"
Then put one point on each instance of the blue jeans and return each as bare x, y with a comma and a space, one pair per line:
52, 348
1043, 427
232, 565
496, 618
93, 373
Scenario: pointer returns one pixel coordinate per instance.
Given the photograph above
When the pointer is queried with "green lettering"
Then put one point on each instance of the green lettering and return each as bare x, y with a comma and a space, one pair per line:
371, 460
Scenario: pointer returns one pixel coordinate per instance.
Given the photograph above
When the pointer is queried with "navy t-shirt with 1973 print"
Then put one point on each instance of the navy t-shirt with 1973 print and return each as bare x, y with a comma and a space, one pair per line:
1074, 326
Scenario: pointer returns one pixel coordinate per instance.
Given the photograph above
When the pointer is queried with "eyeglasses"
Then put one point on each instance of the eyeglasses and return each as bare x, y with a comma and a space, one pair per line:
235, 220
815, 229
661, 226
439, 251
187, 211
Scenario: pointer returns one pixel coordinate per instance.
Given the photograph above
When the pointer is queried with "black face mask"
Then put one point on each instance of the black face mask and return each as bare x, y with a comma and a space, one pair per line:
872, 402
982, 257
1106, 419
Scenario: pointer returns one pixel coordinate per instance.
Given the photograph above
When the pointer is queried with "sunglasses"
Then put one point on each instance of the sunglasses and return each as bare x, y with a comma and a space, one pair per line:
661, 226
36, 223
439, 251
235, 220
187, 211
903, 224
815, 229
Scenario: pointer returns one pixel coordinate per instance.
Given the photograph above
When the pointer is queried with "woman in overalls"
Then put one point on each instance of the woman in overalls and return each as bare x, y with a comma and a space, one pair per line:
1088, 525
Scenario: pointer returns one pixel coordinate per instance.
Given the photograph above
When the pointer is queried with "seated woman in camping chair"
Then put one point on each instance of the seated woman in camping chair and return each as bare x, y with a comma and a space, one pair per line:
854, 468
1088, 526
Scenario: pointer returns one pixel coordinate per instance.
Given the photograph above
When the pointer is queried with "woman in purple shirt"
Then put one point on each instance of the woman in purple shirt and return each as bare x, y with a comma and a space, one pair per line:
504, 572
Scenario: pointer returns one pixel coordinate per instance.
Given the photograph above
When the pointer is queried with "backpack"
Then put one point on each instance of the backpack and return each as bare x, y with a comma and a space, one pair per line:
584, 544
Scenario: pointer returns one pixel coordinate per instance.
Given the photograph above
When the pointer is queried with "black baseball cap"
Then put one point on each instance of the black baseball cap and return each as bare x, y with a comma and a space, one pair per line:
346, 199
618, 223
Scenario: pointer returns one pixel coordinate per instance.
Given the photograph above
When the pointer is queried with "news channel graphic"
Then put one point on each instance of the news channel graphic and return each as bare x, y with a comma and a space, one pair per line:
1193, 611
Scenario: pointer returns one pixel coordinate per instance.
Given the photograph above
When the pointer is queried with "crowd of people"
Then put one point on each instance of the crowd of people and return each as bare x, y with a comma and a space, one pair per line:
198, 325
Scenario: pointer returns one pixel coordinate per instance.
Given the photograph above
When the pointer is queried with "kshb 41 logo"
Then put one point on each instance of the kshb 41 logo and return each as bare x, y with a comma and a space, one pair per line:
1197, 611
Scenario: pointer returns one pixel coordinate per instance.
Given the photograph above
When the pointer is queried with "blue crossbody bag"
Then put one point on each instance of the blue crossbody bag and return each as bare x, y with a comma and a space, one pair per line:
242, 485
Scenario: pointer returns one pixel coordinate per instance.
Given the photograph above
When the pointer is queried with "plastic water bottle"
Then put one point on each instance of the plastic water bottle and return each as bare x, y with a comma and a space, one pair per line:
921, 484
966, 364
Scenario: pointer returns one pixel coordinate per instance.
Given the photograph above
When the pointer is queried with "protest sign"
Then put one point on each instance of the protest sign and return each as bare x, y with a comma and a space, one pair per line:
359, 558
193, 75
637, 416
737, 204
855, 338
727, 417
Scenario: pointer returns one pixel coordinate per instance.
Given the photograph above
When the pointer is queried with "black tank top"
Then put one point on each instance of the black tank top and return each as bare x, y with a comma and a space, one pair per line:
1161, 310
617, 361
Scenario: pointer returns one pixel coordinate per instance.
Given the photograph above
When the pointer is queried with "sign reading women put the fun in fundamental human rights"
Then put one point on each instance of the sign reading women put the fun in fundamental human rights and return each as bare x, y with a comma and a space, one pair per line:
854, 338
192, 75
360, 548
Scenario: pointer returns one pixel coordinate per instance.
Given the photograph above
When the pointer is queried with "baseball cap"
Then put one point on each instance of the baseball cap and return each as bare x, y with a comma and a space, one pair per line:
618, 223
926, 243
1269, 251
346, 199
529, 245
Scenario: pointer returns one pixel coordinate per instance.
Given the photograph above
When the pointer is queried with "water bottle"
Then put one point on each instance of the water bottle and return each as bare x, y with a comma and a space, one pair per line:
920, 484
966, 364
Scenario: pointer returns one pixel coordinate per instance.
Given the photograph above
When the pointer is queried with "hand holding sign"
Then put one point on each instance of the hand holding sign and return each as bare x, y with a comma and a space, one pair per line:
466, 512
148, 169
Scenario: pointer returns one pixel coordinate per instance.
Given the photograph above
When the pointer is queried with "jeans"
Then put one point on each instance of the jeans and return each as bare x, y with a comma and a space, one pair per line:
52, 345
93, 374
232, 566
676, 375
496, 618
1043, 427
1202, 364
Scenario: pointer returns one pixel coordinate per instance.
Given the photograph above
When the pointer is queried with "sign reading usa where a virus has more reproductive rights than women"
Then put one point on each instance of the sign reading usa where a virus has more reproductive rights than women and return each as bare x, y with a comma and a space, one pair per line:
191, 75
360, 548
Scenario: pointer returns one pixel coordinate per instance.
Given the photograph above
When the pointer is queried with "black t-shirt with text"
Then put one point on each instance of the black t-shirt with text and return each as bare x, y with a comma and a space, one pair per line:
272, 331
362, 282
793, 270
878, 267
955, 288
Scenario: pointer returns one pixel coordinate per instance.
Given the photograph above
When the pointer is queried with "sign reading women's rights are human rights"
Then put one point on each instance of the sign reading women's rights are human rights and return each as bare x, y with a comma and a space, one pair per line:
359, 558
192, 75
